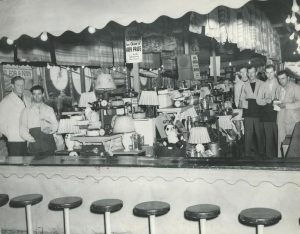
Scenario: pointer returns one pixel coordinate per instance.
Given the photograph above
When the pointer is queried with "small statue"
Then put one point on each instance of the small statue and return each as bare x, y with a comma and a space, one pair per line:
173, 138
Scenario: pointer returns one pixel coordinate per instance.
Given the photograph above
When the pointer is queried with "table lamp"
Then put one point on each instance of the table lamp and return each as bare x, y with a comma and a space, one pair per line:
198, 137
124, 124
149, 99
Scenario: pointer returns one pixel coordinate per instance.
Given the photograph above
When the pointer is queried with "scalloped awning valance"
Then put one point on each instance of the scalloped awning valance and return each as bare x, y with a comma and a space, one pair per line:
32, 17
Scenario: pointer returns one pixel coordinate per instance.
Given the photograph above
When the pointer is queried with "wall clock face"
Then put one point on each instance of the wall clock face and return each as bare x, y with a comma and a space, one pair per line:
59, 77
102, 132
104, 103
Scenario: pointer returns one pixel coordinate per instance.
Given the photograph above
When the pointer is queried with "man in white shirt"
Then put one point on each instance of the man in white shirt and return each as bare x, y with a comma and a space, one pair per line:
240, 79
37, 125
265, 97
10, 110
289, 113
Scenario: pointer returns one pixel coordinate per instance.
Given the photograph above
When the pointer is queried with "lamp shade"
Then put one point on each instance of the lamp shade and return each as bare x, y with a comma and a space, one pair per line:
86, 98
148, 98
123, 124
199, 135
105, 82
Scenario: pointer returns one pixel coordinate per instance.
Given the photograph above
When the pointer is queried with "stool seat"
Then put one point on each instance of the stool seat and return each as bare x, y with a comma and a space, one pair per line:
156, 208
106, 205
259, 216
64, 202
3, 199
24, 200
202, 211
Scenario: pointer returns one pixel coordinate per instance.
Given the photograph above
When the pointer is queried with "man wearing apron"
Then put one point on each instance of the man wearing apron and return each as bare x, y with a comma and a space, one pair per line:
37, 125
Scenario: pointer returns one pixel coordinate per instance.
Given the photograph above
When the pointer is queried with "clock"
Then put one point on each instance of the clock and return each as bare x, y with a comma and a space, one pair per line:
104, 103
177, 103
102, 132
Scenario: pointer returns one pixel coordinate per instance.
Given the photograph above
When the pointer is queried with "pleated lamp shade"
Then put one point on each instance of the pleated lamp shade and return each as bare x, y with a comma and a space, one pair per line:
105, 82
123, 124
199, 135
148, 98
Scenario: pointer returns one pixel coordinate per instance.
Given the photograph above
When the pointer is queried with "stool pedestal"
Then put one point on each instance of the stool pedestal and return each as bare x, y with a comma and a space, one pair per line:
259, 217
26, 201
201, 213
151, 209
106, 206
65, 204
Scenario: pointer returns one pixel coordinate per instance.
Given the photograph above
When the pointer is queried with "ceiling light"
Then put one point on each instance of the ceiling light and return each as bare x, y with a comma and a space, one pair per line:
9, 41
288, 19
91, 30
44, 36
293, 18
230, 64
292, 36
295, 6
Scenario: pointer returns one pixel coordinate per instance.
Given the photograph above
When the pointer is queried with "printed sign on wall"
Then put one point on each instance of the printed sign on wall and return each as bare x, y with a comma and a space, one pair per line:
133, 44
195, 66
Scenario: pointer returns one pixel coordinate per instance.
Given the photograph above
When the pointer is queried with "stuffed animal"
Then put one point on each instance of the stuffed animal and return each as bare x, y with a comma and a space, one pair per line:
173, 138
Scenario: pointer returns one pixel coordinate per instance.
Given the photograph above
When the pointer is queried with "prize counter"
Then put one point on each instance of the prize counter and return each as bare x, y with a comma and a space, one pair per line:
232, 184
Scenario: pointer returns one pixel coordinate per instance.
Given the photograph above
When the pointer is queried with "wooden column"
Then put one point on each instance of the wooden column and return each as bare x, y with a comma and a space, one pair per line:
82, 81
186, 43
214, 63
2, 84
128, 79
136, 78
70, 84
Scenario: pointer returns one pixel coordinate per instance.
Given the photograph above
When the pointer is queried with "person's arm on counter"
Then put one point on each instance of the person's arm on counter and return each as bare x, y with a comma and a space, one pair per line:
24, 130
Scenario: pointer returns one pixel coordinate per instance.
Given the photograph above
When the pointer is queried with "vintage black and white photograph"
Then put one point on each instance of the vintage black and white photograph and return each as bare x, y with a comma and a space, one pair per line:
149, 117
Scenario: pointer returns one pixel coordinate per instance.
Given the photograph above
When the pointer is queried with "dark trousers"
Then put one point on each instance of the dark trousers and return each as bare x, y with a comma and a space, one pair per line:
271, 138
44, 143
17, 148
253, 136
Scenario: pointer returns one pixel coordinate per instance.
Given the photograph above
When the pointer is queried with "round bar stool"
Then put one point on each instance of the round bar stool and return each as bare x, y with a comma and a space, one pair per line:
65, 204
259, 217
106, 206
3, 199
151, 209
26, 201
201, 213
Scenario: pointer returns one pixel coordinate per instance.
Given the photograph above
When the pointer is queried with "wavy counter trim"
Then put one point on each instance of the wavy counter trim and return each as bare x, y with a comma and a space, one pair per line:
97, 180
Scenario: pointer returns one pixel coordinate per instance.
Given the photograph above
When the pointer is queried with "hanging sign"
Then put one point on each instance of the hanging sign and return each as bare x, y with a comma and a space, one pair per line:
23, 71
133, 45
195, 67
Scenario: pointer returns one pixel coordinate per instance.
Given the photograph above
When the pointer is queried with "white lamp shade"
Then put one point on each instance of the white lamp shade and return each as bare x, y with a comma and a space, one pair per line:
86, 98
123, 124
148, 98
105, 82
199, 135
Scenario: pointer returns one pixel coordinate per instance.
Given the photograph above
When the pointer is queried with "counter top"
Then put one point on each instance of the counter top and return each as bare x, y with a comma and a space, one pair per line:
291, 164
